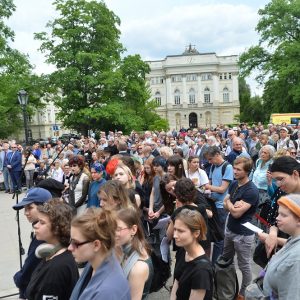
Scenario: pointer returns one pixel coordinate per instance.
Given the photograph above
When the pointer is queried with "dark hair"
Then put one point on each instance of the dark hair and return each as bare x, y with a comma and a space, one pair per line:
77, 160
211, 151
178, 151
285, 164
159, 161
60, 215
129, 162
191, 157
177, 162
131, 217
185, 190
98, 224
168, 199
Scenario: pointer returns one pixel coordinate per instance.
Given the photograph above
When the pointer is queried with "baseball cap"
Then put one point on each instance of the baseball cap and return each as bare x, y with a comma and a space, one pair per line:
34, 195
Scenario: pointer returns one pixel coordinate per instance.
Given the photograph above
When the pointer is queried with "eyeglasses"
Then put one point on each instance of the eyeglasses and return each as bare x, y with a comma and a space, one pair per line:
293, 153
76, 245
121, 229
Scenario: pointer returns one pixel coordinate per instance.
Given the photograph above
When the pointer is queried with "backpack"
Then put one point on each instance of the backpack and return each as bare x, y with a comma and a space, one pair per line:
161, 269
226, 285
224, 166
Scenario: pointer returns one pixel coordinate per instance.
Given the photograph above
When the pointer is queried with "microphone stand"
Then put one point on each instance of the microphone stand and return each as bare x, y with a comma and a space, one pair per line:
16, 194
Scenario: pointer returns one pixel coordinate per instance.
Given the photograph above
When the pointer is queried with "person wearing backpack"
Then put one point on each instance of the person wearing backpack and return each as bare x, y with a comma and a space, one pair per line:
220, 177
136, 260
193, 274
241, 203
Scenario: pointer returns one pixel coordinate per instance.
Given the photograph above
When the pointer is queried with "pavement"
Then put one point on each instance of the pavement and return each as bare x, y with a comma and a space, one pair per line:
9, 253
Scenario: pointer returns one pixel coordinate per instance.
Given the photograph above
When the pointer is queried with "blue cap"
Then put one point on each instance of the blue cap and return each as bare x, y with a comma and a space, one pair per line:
34, 195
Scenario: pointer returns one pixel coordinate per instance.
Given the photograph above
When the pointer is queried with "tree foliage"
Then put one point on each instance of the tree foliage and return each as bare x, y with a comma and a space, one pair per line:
15, 74
100, 89
252, 109
276, 57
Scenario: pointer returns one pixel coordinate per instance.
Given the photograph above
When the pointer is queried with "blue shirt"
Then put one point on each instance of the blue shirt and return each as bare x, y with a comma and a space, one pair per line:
216, 180
94, 188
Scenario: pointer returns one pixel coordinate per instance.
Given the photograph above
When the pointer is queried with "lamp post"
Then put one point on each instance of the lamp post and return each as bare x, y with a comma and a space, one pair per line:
23, 100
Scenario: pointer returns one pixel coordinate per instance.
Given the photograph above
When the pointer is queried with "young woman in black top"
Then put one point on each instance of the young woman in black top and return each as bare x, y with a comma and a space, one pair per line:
193, 271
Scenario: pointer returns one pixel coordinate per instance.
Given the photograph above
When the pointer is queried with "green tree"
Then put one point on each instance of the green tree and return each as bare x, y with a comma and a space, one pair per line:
15, 73
276, 57
251, 108
98, 88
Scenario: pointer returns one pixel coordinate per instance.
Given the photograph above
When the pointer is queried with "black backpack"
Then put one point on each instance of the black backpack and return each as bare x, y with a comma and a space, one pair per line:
224, 166
162, 269
226, 285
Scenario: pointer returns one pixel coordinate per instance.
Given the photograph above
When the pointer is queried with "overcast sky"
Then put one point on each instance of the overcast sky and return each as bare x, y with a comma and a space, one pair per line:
156, 28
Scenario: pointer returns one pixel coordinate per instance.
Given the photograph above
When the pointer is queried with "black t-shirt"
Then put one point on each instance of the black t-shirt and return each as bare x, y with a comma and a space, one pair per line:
248, 193
193, 275
54, 278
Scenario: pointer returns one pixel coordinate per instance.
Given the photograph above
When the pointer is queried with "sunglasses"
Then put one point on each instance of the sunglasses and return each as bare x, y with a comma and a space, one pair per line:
76, 244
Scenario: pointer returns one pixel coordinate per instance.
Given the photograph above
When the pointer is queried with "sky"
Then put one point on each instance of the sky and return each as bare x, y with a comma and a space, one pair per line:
156, 28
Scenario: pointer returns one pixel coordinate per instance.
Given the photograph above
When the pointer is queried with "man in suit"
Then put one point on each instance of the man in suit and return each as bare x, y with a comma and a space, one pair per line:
3, 167
14, 159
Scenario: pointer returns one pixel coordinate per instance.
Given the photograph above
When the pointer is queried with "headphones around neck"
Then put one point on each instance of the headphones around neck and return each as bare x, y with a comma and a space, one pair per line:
47, 250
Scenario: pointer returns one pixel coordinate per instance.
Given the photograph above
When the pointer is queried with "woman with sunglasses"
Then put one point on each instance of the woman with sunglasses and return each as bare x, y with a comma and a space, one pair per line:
93, 240
57, 273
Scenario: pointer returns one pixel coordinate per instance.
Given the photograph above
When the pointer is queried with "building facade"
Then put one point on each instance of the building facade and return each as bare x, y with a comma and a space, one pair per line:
195, 89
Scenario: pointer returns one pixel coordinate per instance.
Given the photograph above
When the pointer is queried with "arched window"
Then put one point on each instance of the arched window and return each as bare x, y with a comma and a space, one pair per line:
192, 96
177, 97
158, 98
206, 95
225, 95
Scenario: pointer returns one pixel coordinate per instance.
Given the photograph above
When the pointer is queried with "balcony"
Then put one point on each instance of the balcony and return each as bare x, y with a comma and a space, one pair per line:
193, 105
207, 104
177, 105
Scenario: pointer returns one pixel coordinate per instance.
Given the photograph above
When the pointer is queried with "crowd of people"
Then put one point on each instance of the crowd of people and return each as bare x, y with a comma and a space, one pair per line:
97, 203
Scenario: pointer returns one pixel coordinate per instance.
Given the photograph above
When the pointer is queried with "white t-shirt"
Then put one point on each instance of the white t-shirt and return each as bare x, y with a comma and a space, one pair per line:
199, 178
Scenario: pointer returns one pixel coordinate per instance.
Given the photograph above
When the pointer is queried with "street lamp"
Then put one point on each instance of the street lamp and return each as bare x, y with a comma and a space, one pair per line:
23, 100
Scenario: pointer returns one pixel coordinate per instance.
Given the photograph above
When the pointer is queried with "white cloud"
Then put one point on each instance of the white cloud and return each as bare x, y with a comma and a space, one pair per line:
155, 29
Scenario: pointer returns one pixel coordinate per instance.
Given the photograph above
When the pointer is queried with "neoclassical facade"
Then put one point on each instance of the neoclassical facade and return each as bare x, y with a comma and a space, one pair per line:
195, 89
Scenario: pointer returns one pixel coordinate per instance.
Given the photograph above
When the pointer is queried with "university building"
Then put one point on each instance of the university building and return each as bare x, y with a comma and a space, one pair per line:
195, 89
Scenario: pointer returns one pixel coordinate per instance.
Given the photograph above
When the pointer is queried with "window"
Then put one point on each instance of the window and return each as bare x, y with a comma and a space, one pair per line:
158, 98
221, 76
192, 96
177, 97
225, 76
229, 76
225, 95
206, 95
176, 78
191, 77
157, 80
206, 76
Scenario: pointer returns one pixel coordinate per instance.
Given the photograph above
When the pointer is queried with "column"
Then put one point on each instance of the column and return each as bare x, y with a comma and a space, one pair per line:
216, 92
